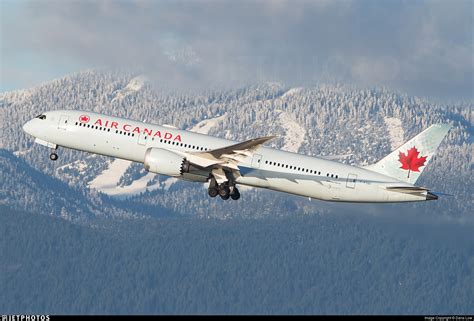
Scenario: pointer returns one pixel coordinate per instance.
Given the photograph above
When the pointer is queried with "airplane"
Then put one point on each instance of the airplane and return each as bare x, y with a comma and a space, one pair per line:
224, 164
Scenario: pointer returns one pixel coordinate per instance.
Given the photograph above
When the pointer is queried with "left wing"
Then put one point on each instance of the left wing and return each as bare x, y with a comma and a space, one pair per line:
228, 156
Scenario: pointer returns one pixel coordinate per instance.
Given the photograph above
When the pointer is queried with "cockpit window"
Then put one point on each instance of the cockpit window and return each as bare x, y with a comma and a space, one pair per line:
41, 116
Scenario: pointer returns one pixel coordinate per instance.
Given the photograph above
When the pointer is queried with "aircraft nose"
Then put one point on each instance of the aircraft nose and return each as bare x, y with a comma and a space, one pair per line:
27, 127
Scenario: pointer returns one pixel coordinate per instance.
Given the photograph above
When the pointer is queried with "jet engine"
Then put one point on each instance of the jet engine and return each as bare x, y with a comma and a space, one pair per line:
165, 162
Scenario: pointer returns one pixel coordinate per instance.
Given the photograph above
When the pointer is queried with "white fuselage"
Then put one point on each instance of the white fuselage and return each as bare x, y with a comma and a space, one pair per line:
267, 168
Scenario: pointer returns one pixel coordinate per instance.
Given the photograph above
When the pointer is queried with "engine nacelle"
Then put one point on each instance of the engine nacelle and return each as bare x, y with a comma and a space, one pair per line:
165, 162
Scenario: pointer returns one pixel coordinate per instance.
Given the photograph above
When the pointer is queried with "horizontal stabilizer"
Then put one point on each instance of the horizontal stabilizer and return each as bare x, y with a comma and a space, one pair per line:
414, 190
407, 189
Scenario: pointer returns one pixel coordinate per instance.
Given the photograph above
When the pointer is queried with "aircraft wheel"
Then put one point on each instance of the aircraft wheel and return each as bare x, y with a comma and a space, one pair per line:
235, 195
53, 156
212, 192
224, 191
225, 197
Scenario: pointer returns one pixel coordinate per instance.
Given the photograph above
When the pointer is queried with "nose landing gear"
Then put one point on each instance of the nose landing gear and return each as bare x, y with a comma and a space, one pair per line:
53, 156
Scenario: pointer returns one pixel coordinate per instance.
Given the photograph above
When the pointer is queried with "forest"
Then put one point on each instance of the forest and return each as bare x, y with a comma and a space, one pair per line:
305, 264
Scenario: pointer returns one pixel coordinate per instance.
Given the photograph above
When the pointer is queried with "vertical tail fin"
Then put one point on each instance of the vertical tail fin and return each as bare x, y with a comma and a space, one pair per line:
408, 161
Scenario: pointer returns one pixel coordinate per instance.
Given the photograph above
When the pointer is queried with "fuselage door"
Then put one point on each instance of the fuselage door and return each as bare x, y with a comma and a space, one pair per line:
351, 181
256, 160
143, 138
63, 122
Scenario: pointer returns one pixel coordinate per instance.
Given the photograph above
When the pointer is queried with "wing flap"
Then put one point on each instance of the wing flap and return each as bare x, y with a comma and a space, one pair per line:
228, 156
246, 148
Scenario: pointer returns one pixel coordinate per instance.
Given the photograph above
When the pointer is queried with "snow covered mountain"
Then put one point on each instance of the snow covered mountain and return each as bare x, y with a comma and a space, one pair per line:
359, 125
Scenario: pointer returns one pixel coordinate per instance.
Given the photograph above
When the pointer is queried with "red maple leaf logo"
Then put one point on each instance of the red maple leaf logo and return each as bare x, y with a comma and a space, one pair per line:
84, 119
411, 161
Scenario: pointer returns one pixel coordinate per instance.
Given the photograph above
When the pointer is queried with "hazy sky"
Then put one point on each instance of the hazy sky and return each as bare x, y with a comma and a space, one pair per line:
421, 47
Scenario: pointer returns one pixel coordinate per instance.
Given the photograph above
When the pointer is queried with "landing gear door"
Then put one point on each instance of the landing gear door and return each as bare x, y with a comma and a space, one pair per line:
63, 122
256, 160
351, 181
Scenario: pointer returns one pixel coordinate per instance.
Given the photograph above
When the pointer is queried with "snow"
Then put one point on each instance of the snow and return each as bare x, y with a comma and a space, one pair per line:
110, 177
395, 130
166, 184
291, 92
19, 152
81, 165
134, 85
206, 125
137, 187
107, 181
295, 134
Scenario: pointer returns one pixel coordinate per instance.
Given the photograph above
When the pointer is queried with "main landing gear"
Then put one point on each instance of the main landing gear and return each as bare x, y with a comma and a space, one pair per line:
224, 190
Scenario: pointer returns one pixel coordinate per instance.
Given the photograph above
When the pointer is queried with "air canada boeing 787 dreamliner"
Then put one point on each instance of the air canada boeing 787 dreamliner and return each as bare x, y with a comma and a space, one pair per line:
225, 164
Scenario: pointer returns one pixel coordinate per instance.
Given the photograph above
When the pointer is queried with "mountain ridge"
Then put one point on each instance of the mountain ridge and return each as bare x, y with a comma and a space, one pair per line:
325, 120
